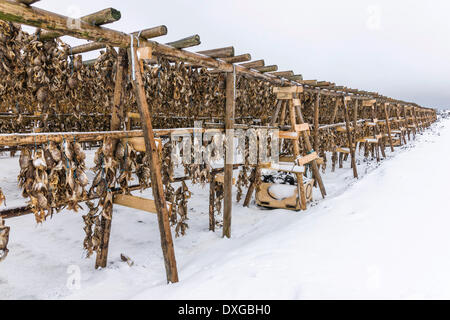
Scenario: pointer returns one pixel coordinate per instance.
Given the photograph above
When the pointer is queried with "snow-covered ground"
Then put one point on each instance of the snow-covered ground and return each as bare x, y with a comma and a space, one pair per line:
385, 235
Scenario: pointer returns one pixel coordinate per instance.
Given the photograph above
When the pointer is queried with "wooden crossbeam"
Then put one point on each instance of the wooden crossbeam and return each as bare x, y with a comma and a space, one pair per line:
99, 18
225, 52
253, 64
144, 34
267, 69
188, 42
138, 203
238, 58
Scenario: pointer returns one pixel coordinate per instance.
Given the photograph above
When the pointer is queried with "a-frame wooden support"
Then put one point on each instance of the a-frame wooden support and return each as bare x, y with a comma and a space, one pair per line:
155, 168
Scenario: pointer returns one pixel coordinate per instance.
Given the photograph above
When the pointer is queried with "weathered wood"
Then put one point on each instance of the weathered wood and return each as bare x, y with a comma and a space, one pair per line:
225, 52
144, 34
188, 42
316, 121
284, 74
275, 114
156, 178
137, 203
239, 58
297, 77
335, 110
291, 89
267, 69
229, 150
253, 64
99, 18
212, 197
350, 140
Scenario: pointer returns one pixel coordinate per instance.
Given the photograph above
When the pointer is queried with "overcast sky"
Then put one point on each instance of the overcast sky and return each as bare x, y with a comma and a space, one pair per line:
397, 48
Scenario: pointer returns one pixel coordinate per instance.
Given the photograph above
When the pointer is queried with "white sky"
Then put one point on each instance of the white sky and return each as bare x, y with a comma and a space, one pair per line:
397, 48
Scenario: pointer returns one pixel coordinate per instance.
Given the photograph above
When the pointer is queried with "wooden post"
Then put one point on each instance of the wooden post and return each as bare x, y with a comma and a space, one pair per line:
350, 139
229, 134
253, 182
156, 179
316, 122
102, 257
388, 125
273, 120
212, 197
307, 142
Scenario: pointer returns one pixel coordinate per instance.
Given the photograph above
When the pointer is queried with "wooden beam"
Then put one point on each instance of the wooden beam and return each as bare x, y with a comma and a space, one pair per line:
267, 69
284, 74
137, 203
225, 52
239, 58
253, 64
350, 139
27, 2
99, 18
156, 178
188, 42
229, 151
144, 34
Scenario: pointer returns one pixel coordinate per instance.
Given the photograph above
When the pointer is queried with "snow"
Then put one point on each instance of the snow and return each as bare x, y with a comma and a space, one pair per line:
384, 236
282, 191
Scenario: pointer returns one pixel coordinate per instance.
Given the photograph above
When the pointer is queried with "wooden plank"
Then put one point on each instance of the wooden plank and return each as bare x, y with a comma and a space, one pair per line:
145, 53
229, 132
144, 34
240, 58
285, 96
156, 178
316, 122
307, 159
99, 18
302, 127
220, 178
138, 203
253, 64
138, 144
368, 103
187, 42
292, 89
290, 135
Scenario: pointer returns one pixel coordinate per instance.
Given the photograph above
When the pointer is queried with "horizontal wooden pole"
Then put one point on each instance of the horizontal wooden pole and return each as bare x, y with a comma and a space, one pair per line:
144, 34
28, 2
267, 69
225, 52
284, 74
188, 42
297, 77
253, 64
239, 58
99, 18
